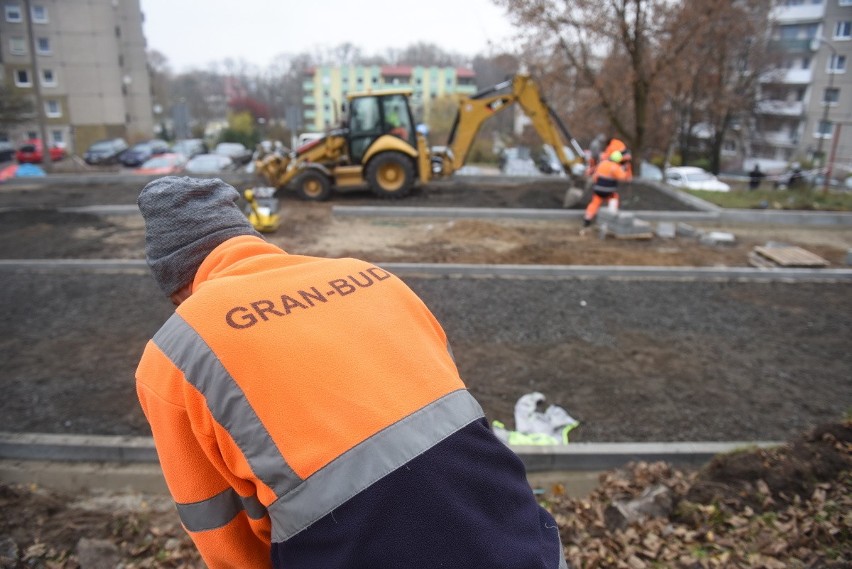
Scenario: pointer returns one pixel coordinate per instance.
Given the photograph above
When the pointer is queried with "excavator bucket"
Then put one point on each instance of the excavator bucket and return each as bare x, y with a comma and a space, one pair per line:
573, 196
263, 217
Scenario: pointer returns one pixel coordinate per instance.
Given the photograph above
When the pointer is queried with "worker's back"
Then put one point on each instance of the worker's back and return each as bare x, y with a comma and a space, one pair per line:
327, 391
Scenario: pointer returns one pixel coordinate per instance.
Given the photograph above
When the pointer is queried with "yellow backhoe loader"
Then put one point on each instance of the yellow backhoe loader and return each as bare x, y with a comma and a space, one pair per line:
378, 145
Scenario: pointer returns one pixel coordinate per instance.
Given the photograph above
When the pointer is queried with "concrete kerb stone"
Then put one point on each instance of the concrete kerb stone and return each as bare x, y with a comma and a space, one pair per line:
69, 462
744, 216
507, 271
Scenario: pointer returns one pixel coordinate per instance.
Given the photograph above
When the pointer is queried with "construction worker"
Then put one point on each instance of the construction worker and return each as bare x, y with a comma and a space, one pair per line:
307, 412
605, 186
618, 145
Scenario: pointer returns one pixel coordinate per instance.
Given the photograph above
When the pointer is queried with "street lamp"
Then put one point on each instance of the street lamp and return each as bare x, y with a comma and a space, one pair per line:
826, 104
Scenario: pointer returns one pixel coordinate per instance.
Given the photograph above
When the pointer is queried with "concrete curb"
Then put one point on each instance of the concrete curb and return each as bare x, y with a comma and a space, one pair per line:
75, 463
509, 271
744, 216
573, 457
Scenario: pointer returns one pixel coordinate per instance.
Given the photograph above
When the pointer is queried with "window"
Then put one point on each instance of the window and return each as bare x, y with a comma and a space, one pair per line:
39, 14
13, 13
43, 46
52, 108
48, 78
836, 63
843, 30
831, 96
58, 137
806, 63
844, 2
824, 129
22, 78
17, 46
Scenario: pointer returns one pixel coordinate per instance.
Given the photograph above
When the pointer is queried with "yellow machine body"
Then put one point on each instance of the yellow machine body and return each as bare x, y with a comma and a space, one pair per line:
378, 145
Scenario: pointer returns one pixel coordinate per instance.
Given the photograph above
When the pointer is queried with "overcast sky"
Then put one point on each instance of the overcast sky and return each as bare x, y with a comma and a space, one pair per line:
193, 34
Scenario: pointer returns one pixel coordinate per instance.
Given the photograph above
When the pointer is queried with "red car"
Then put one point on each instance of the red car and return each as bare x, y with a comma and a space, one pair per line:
163, 165
31, 152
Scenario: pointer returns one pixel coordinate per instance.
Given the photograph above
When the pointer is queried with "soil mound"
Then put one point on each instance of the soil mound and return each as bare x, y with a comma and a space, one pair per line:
780, 508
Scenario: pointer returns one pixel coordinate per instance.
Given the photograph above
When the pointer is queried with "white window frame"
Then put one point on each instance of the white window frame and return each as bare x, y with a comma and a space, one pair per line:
57, 137
29, 81
52, 109
17, 46
41, 51
44, 80
12, 9
836, 58
39, 20
847, 24
824, 135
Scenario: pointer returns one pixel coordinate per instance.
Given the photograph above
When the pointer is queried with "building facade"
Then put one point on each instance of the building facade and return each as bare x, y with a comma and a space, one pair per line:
805, 114
90, 64
325, 88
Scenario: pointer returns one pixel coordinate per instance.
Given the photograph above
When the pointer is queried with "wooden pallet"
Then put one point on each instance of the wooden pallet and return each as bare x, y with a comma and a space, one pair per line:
786, 257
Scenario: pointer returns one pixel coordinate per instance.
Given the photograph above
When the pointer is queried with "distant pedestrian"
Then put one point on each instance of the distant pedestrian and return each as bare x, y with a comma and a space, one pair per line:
755, 177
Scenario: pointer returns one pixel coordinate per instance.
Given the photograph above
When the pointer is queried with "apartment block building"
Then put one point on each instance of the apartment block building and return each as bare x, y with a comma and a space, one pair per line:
325, 88
89, 62
806, 109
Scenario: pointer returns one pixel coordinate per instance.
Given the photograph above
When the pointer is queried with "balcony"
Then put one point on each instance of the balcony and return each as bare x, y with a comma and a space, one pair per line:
780, 138
781, 108
795, 14
788, 76
792, 46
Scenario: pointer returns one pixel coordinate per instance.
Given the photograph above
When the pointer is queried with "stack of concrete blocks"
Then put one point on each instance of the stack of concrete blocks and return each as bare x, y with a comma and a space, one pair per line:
623, 225
704, 237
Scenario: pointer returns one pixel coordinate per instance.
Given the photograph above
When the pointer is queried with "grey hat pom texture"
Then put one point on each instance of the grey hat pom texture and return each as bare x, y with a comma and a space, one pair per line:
185, 219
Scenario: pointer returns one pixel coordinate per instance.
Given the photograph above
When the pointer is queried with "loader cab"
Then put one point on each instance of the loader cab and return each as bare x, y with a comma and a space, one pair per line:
372, 115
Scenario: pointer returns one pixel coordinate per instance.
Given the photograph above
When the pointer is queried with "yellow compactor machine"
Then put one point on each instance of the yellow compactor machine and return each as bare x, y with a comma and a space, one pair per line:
378, 145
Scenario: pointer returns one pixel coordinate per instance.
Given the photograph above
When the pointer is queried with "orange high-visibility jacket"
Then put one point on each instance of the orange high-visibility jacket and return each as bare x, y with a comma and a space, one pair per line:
308, 413
607, 175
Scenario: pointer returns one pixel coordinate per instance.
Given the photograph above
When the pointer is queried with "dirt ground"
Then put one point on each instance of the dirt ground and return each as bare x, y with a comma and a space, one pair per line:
633, 360
781, 508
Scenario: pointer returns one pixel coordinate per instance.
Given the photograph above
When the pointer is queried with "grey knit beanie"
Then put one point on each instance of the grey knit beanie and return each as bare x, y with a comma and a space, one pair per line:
185, 219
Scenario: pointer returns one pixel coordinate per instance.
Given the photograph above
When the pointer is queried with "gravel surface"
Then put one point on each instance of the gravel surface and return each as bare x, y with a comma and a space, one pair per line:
632, 360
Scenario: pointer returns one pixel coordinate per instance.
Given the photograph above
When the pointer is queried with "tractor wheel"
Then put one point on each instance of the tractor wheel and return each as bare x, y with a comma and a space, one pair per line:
391, 175
313, 185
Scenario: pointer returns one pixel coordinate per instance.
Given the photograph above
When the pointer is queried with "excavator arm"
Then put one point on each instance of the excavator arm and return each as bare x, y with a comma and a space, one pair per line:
474, 111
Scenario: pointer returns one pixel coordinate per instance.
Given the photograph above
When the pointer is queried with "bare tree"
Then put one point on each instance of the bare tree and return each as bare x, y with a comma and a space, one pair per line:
15, 108
615, 49
724, 61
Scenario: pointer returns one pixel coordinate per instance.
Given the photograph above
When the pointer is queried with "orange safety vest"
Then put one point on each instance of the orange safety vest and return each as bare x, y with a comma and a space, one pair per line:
607, 175
287, 385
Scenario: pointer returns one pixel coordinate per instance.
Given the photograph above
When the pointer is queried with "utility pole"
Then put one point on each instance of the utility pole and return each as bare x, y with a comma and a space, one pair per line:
45, 143
826, 104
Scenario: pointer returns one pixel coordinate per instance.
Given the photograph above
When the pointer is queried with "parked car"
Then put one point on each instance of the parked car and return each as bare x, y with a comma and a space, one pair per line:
236, 151
105, 151
694, 178
31, 152
189, 147
209, 164
139, 153
7, 151
651, 172
163, 165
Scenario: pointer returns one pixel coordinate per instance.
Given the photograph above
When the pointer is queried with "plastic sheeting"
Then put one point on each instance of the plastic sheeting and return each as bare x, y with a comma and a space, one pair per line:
534, 426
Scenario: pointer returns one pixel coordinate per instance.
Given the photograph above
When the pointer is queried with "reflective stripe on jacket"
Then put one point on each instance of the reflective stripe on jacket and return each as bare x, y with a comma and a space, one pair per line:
606, 177
297, 402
